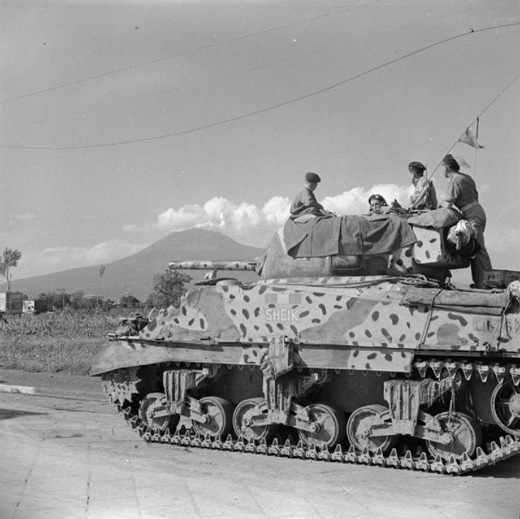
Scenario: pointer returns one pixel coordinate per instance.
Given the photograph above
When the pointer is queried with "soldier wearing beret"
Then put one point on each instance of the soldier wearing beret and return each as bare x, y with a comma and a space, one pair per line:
462, 194
305, 202
424, 195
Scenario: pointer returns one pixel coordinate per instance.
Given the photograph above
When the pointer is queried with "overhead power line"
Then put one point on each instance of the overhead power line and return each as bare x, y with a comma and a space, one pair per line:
186, 52
269, 63
276, 106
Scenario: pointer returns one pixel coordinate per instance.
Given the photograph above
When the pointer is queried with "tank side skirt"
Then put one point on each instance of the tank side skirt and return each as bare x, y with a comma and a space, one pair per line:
128, 353
354, 357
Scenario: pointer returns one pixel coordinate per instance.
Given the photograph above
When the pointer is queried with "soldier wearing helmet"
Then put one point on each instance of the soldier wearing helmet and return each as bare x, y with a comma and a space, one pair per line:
377, 204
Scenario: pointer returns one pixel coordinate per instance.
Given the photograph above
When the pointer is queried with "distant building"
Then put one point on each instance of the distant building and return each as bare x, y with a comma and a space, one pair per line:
34, 306
14, 303
11, 302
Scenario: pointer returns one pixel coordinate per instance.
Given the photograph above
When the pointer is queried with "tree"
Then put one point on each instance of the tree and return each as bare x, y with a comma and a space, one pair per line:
55, 300
168, 288
9, 260
101, 272
61, 299
80, 302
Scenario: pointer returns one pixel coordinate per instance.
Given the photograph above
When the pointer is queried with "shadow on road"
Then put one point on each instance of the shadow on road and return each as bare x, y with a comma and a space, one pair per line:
506, 469
5, 414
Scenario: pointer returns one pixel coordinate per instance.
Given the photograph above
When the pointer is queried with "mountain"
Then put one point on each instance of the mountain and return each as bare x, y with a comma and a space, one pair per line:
133, 275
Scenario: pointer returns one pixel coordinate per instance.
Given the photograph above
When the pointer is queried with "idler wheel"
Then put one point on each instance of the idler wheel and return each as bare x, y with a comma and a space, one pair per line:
242, 421
219, 416
328, 426
359, 428
152, 403
505, 407
465, 434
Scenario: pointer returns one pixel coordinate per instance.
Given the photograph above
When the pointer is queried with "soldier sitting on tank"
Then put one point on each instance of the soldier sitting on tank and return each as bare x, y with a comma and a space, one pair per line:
305, 203
377, 204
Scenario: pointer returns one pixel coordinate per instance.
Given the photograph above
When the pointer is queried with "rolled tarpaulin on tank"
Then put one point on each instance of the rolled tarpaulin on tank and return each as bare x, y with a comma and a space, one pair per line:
374, 234
458, 301
349, 235
313, 237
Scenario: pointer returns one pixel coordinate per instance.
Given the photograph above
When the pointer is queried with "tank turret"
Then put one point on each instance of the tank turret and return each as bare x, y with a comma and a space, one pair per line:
429, 254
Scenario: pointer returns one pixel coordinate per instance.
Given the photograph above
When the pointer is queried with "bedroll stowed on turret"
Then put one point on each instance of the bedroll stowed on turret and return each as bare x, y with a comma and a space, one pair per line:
350, 346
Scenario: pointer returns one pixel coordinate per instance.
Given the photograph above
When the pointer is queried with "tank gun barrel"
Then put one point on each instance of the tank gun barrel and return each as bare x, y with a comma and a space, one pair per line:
213, 265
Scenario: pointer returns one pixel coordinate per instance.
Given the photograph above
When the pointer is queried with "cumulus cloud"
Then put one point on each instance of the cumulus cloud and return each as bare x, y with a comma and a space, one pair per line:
253, 225
184, 218
238, 220
276, 210
355, 201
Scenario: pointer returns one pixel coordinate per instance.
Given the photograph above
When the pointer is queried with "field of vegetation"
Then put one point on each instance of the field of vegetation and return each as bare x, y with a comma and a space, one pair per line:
61, 341
73, 328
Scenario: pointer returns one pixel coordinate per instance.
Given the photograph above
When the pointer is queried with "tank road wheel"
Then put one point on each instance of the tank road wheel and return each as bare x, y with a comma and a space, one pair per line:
358, 430
328, 425
505, 407
219, 414
465, 433
242, 421
152, 403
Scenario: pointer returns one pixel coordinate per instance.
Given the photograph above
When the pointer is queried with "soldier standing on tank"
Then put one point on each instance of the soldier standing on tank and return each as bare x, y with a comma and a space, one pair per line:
424, 195
305, 202
462, 193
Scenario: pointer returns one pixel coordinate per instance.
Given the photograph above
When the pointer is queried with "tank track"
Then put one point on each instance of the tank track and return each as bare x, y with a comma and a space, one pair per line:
493, 452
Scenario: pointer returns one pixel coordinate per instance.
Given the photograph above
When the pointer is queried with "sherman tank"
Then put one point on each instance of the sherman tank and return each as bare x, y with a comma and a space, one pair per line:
353, 346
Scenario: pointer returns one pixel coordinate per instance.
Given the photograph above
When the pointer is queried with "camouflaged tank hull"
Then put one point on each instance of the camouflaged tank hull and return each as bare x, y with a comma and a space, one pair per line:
382, 370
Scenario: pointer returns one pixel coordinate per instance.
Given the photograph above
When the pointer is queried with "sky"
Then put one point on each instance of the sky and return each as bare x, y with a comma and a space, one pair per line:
122, 121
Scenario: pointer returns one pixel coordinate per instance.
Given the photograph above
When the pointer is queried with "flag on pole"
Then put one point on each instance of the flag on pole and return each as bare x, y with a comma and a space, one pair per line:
468, 138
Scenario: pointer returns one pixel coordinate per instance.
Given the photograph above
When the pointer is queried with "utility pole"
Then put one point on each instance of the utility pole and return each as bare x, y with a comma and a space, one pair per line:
62, 290
101, 272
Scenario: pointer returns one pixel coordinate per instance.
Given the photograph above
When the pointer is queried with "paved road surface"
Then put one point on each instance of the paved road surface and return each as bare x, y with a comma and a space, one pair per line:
73, 457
